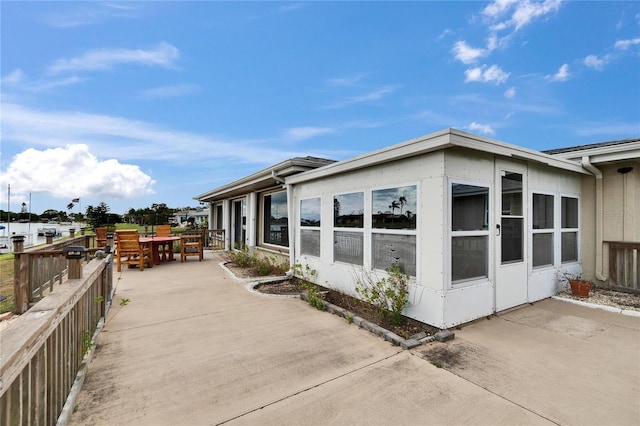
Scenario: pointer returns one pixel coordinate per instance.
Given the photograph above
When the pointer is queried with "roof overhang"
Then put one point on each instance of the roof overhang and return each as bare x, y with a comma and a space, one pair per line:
437, 141
264, 179
607, 152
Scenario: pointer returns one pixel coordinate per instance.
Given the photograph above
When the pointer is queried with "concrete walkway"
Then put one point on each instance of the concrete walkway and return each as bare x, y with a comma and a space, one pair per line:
194, 347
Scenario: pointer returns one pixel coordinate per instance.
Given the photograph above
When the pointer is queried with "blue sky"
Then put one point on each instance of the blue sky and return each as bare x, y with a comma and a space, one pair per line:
135, 103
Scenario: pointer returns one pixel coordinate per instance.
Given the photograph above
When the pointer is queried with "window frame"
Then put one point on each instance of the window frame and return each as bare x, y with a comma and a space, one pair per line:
388, 231
346, 229
576, 230
314, 229
553, 230
451, 234
262, 219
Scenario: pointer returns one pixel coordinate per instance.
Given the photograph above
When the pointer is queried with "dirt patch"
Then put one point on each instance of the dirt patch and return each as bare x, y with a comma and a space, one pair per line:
293, 286
286, 287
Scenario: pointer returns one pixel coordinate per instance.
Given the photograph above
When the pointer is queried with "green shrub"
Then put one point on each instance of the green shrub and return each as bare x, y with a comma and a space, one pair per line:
388, 295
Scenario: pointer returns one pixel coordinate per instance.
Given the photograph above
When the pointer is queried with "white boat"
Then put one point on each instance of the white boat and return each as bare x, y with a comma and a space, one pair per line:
47, 230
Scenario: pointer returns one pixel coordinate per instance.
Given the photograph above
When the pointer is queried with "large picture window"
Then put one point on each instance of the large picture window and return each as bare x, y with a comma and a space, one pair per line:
469, 232
569, 221
543, 228
275, 219
310, 220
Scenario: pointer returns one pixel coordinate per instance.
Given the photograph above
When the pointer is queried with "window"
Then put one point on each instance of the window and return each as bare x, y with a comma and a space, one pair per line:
511, 230
348, 210
393, 249
569, 223
347, 247
310, 226
543, 228
469, 232
394, 208
393, 219
275, 220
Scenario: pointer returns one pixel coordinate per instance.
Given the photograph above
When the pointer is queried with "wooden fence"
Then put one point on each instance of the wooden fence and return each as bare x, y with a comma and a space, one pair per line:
624, 266
42, 351
36, 270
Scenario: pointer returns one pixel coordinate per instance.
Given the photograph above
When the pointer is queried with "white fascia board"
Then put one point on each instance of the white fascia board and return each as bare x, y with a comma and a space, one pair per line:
410, 148
622, 152
263, 176
479, 143
434, 142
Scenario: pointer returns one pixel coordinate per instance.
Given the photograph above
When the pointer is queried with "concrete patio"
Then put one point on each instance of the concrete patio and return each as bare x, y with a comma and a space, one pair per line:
193, 346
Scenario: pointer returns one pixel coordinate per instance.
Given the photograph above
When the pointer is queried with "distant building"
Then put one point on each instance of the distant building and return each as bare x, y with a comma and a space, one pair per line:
200, 216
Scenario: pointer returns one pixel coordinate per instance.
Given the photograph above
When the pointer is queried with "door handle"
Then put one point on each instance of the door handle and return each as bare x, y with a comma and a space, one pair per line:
498, 228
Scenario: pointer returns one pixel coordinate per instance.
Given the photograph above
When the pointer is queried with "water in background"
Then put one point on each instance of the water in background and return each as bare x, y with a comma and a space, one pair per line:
30, 231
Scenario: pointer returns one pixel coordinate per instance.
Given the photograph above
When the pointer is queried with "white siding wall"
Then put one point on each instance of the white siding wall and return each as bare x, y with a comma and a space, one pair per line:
425, 171
468, 302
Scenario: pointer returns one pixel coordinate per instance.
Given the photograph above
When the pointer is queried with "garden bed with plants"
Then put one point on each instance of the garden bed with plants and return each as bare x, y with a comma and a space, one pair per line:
390, 292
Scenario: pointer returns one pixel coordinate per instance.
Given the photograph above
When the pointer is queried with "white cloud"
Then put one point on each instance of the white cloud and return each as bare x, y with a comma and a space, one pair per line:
467, 54
163, 55
73, 171
510, 92
484, 129
297, 134
346, 81
592, 61
493, 74
126, 139
625, 44
15, 76
171, 91
89, 13
372, 96
563, 74
521, 13
18, 80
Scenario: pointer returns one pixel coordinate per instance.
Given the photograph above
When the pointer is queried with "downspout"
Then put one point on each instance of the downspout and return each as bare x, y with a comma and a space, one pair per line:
292, 222
586, 163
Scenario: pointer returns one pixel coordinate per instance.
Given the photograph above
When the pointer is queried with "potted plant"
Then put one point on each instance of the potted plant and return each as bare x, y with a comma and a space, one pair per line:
579, 286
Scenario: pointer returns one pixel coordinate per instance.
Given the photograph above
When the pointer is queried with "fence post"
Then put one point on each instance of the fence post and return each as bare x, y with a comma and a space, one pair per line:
21, 276
75, 255
49, 237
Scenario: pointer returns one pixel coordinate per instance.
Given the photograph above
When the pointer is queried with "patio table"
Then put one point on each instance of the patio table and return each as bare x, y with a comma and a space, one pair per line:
156, 242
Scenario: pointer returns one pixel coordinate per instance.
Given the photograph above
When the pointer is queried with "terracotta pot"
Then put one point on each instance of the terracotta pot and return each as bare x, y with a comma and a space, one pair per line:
580, 288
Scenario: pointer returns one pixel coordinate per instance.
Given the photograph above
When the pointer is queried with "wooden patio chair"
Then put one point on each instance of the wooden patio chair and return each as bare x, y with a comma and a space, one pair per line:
101, 237
191, 245
163, 231
130, 252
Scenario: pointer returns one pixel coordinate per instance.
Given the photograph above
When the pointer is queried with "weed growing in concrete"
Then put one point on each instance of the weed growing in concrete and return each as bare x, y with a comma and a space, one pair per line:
86, 342
124, 302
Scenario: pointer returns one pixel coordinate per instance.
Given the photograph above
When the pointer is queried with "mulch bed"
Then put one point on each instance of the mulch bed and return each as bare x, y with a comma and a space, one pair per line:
405, 329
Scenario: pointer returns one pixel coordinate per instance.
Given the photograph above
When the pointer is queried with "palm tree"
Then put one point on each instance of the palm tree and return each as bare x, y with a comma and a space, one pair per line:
403, 201
393, 206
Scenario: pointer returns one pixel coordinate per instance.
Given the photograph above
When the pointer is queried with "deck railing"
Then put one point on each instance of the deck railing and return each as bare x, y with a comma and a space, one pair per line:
42, 351
37, 269
215, 239
624, 266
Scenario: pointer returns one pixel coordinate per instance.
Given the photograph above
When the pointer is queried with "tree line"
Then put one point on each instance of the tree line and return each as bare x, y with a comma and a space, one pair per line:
97, 216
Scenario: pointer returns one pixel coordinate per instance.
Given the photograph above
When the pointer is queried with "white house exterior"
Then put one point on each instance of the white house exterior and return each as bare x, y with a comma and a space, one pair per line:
253, 210
480, 226
611, 211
